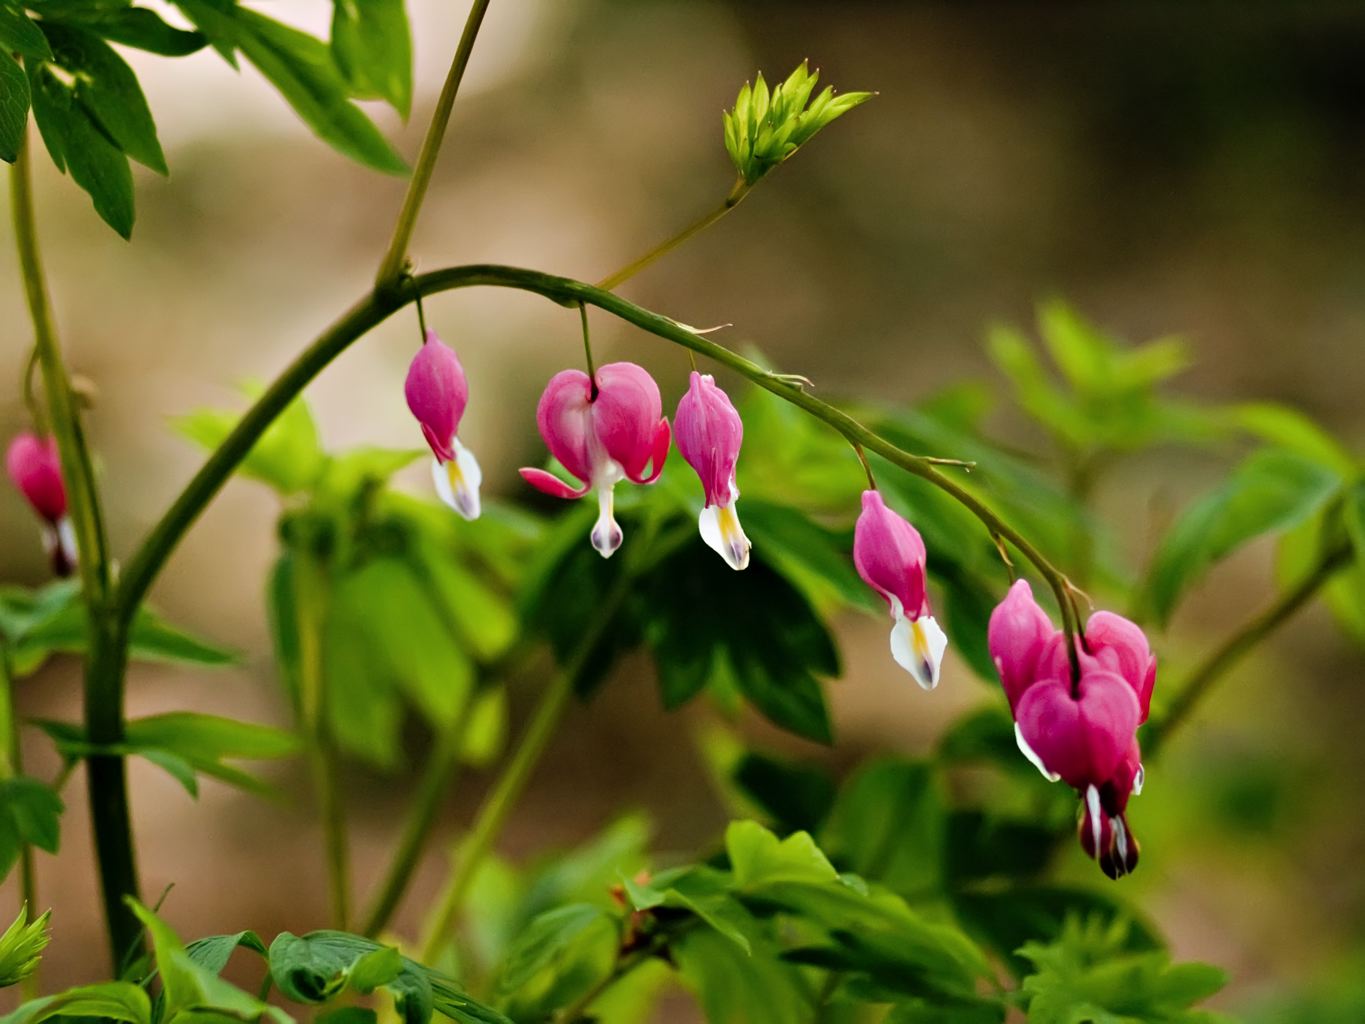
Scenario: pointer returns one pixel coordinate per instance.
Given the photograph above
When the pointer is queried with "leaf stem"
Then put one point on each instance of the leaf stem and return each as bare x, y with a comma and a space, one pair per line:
1222, 658
106, 774
310, 599
503, 797
438, 778
391, 267
736, 196
11, 766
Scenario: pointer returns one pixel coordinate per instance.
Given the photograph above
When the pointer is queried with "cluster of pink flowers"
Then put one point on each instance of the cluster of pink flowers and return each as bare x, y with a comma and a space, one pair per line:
1079, 724
1076, 713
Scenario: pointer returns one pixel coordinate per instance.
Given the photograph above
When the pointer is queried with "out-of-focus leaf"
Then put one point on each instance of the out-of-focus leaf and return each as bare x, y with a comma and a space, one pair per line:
736, 989
557, 958
111, 1000
144, 29
981, 847
1289, 429
798, 796
889, 825
107, 89
30, 813
79, 145
1271, 491
19, 34
303, 70
372, 45
288, 455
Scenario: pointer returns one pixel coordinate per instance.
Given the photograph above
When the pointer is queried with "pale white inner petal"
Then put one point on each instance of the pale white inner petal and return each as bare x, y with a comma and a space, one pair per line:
62, 537
457, 482
918, 646
1139, 780
606, 534
1034, 759
1092, 806
720, 529
1121, 839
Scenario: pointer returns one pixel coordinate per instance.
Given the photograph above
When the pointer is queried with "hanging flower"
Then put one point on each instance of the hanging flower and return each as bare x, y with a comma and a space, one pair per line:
437, 393
709, 432
889, 555
602, 430
1082, 731
36, 469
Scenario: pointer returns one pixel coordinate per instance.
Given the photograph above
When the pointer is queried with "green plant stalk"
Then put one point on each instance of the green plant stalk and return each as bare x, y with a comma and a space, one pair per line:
493, 813
108, 785
373, 309
391, 267
310, 599
438, 778
1221, 660
735, 197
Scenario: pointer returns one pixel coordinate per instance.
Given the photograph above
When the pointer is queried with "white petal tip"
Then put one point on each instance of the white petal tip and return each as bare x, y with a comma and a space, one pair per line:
917, 645
457, 482
606, 534
720, 529
1033, 758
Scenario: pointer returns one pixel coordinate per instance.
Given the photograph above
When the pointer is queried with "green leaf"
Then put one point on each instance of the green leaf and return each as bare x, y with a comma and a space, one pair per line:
288, 456
889, 825
22, 945
757, 856
19, 34
303, 70
798, 796
14, 103
557, 958
79, 145
738, 989
108, 91
372, 45
112, 1000
1270, 492
1289, 429
214, 951
30, 813
703, 892
145, 30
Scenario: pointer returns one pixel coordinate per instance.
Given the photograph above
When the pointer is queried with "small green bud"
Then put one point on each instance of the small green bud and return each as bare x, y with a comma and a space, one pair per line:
765, 127
21, 947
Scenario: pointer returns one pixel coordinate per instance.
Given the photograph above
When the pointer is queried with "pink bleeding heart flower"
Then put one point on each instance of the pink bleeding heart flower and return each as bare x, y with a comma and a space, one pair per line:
709, 432
36, 469
602, 430
1112, 643
890, 557
437, 393
1019, 635
1078, 737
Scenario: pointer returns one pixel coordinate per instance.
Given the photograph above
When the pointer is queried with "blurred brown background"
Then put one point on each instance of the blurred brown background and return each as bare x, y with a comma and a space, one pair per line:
1167, 168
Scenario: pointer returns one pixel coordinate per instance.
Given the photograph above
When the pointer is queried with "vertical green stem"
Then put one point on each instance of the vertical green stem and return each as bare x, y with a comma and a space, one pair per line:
391, 267
310, 595
108, 789
11, 766
442, 768
512, 783
735, 197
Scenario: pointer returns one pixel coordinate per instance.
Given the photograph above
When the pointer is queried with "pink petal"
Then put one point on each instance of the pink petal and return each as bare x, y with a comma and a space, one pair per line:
1081, 740
550, 484
564, 416
437, 393
626, 417
659, 455
36, 469
709, 433
1121, 646
889, 555
1018, 636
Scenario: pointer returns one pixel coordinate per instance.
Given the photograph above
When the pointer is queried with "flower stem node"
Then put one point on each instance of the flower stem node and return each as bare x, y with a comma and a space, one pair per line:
437, 393
889, 555
709, 433
603, 429
36, 470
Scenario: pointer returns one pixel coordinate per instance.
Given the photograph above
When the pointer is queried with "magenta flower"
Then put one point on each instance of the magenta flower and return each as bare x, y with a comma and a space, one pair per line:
709, 432
602, 430
36, 469
437, 393
889, 555
1082, 731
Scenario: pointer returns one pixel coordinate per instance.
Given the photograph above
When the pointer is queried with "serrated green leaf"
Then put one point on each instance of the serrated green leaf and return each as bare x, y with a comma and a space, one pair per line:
372, 44
1270, 492
108, 90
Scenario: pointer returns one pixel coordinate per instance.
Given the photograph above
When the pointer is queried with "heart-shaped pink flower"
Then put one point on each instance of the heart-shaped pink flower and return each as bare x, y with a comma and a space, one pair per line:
1080, 739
